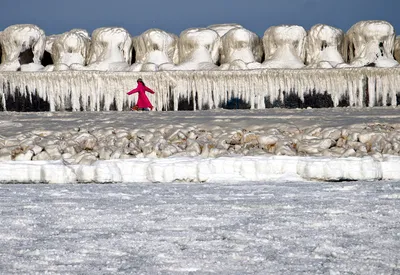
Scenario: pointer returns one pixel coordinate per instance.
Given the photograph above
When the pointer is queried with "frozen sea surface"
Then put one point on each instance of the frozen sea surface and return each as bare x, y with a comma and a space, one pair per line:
186, 228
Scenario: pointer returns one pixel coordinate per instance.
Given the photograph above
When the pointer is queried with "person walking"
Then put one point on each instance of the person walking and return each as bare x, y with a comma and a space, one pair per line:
143, 103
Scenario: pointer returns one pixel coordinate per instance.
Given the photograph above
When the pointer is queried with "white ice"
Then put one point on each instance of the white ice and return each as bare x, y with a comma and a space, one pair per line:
370, 42
17, 39
16, 129
71, 48
197, 49
284, 47
284, 227
240, 49
153, 48
324, 46
110, 49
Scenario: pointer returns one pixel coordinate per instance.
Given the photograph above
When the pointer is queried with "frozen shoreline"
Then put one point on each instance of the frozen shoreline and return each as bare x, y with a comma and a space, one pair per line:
204, 146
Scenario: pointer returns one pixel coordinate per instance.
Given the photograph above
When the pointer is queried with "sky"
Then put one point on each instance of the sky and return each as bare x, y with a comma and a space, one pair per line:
175, 16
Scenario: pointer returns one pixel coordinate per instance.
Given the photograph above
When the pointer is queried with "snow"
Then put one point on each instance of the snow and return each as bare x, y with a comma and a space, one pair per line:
203, 228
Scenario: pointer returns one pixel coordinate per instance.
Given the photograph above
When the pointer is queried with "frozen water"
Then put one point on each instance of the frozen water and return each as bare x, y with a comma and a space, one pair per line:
248, 228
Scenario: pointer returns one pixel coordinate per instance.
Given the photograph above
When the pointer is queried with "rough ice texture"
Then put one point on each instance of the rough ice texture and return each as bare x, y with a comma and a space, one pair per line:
49, 42
284, 47
153, 48
20, 39
198, 49
110, 49
239, 48
370, 43
397, 49
93, 91
222, 29
71, 48
324, 46
224, 169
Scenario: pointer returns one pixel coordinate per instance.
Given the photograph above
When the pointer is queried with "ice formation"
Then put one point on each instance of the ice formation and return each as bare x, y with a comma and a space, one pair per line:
95, 91
22, 46
70, 48
370, 43
397, 49
240, 49
110, 49
186, 68
284, 47
324, 46
153, 48
222, 29
225, 169
198, 49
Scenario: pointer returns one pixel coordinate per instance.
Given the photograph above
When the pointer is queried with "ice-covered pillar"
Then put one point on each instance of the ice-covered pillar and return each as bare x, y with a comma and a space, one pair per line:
324, 47
71, 48
110, 49
284, 47
198, 49
397, 49
370, 43
240, 49
22, 44
153, 48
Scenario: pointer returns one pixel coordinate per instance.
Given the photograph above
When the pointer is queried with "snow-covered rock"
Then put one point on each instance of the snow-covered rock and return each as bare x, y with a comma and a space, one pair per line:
153, 48
324, 45
110, 49
21, 44
370, 43
284, 47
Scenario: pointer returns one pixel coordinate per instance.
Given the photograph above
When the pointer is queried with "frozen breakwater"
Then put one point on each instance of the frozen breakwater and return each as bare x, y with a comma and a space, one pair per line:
220, 145
197, 90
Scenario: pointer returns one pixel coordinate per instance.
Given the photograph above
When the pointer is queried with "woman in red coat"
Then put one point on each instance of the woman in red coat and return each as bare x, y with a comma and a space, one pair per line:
143, 103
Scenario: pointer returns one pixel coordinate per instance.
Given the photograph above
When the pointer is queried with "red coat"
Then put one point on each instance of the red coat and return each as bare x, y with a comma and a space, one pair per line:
143, 101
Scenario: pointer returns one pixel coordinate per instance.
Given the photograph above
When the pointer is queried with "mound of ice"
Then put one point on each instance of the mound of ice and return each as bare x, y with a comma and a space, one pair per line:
22, 44
284, 47
324, 45
71, 48
370, 43
241, 49
110, 50
153, 48
198, 49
